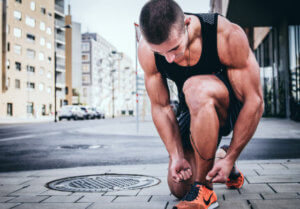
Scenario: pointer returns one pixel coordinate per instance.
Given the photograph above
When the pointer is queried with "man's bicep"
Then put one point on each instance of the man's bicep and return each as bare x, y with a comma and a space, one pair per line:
157, 89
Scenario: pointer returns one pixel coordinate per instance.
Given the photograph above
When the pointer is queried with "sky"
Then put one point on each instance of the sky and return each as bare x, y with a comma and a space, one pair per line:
114, 19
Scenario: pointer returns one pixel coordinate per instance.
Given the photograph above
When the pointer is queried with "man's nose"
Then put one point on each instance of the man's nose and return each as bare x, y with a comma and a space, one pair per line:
170, 57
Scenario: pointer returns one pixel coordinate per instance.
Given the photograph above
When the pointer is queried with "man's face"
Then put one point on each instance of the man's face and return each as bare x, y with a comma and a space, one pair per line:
173, 49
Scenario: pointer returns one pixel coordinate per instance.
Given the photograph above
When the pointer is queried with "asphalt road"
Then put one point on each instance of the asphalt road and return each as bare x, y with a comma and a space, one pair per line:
60, 145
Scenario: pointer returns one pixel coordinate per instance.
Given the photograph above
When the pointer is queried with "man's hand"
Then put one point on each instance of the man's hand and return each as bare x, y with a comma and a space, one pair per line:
220, 172
180, 169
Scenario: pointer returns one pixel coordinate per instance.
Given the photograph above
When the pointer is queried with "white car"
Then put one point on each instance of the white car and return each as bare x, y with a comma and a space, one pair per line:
70, 112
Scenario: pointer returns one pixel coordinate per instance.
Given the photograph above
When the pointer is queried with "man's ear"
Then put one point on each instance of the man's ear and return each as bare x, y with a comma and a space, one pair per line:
187, 20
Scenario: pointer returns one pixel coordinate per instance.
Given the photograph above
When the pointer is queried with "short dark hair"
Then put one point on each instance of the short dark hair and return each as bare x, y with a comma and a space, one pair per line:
158, 17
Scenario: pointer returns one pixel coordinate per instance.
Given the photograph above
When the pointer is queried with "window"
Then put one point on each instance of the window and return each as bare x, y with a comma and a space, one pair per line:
85, 57
30, 37
30, 53
8, 82
30, 107
42, 70
43, 10
41, 87
30, 85
8, 47
48, 31
42, 26
32, 5
18, 66
49, 90
86, 79
17, 49
30, 21
7, 64
85, 68
49, 59
41, 56
17, 15
49, 75
30, 69
85, 46
17, 84
17, 32
48, 45
42, 41
9, 109
19, 1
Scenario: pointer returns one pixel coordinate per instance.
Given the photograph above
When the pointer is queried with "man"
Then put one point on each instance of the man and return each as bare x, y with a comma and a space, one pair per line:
219, 88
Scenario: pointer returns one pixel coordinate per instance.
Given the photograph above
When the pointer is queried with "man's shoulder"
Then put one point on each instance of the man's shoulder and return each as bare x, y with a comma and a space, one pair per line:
146, 57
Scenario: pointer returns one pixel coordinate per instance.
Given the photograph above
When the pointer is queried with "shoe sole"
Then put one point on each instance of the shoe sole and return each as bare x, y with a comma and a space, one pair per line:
212, 206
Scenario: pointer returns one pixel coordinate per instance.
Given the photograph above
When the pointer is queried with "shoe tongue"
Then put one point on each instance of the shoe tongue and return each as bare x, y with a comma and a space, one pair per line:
197, 184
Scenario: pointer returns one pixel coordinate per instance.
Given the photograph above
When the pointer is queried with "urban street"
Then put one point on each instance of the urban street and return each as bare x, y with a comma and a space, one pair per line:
105, 142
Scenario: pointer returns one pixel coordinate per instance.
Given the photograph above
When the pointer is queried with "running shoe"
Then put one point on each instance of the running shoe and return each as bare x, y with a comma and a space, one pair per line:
235, 181
236, 178
199, 197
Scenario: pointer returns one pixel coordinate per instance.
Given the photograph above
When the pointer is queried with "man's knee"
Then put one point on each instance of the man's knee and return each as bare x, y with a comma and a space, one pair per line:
198, 96
178, 189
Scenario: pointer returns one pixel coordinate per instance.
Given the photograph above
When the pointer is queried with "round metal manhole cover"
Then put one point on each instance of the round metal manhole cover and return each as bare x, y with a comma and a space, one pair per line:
102, 183
81, 146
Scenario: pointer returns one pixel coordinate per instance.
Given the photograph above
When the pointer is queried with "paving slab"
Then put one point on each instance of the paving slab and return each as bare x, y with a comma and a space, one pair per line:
280, 196
29, 199
273, 179
6, 199
269, 172
96, 198
53, 206
8, 205
137, 199
129, 205
278, 204
63, 199
123, 192
289, 188
255, 188
242, 197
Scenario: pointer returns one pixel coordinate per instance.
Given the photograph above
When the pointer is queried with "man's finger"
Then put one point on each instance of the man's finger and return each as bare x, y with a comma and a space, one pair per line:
184, 174
219, 179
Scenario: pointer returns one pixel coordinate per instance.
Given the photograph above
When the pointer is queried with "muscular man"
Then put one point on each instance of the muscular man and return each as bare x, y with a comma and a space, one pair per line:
219, 89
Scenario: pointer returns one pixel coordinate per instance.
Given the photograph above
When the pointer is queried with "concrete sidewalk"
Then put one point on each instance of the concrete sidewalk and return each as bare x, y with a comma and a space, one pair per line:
269, 184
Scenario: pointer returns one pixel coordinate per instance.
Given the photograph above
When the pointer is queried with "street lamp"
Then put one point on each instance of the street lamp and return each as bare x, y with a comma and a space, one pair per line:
55, 112
113, 92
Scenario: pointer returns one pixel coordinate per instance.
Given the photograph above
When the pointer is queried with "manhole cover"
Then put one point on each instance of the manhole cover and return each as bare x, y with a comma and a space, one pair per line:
102, 183
81, 146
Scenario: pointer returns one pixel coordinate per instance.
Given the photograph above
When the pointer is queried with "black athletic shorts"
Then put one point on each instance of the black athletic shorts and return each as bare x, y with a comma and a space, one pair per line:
184, 118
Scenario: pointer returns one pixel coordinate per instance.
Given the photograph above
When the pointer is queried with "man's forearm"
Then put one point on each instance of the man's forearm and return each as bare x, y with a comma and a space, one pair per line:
244, 128
167, 127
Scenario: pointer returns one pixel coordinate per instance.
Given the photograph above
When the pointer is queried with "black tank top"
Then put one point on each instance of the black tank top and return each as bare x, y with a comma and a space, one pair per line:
208, 63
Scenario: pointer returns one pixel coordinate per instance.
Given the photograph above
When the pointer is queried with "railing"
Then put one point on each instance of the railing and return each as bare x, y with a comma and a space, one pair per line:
59, 23
60, 37
59, 8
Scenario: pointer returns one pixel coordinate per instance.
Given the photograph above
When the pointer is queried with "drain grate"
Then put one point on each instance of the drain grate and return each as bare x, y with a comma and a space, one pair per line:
81, 146
102, 183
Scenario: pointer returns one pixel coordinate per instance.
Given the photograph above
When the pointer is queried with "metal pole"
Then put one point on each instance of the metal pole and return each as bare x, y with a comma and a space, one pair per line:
55, 113
136, 84
113, 95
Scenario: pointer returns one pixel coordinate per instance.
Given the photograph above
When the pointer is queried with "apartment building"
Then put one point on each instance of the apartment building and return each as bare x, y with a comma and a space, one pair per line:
273, 30
27, 61
95, 52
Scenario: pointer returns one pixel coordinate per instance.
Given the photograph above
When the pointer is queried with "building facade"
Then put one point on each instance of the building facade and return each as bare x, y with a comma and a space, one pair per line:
27, 63
272, 28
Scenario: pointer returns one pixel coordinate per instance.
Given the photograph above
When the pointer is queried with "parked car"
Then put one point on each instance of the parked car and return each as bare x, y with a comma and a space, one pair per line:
70, 112
100, 113
85, 111
92, 113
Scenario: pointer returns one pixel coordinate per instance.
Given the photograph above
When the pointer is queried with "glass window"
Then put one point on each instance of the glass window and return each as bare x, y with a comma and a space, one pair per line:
49, 90
30, 107
17, 32
41, 56
8, 47
19, 1
49, 75
86, 79
30, 85
18, 66
48, 45
42, 26
18, 15
85, 46
30, 37
32, 5
48, 31
17, 49
42, 70
9, 109
43, 10
30, 21
7, 64
17, 84
85, 57
41, 87
30, 69
42, 41
30, 53
85, 68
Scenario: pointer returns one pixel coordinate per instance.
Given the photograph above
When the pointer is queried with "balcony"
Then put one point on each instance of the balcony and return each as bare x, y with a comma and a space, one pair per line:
60, 37
59, 8
59, 23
